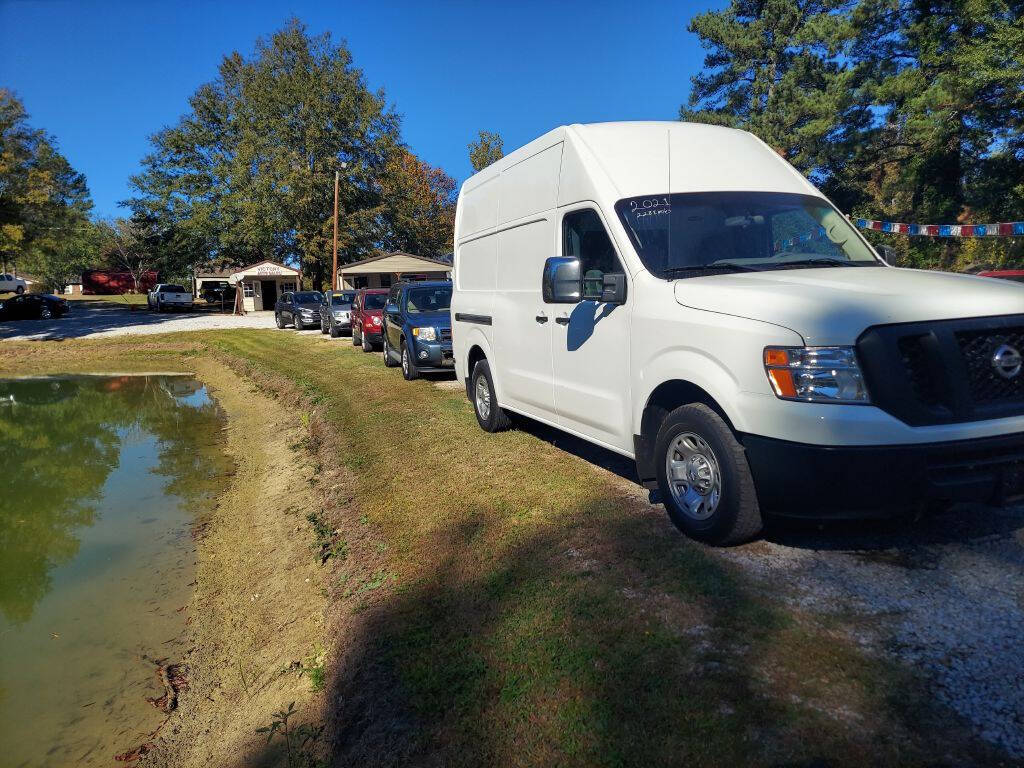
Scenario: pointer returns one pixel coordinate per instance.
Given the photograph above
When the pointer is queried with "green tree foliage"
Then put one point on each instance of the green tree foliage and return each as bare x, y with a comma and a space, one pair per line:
488, 148
901, 109
44, 202
248, 173
418, 199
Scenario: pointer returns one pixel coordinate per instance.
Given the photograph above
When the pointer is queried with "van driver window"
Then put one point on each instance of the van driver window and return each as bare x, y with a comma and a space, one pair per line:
584, 236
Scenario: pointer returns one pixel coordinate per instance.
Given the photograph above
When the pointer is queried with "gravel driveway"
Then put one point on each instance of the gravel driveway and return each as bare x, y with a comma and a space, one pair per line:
105, 318
944, 595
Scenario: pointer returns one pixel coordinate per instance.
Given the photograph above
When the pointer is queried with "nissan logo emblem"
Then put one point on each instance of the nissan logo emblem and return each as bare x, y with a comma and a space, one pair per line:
1007, 361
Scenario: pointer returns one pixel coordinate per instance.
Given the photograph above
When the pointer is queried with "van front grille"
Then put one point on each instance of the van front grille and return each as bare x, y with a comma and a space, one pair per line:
978, 349
943, 372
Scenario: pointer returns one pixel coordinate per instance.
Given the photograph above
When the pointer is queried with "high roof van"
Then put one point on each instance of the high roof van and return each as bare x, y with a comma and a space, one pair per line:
679, 294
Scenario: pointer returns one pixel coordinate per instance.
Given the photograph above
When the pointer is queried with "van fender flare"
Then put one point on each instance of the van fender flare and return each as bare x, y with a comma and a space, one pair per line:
678, 377
475, 337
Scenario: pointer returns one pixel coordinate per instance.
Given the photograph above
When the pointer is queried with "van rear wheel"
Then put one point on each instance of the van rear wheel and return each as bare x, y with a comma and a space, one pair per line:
704, 478
491, 416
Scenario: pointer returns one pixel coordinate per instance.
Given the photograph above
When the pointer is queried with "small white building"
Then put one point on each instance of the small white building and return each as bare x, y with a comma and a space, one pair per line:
261, 283
382, 271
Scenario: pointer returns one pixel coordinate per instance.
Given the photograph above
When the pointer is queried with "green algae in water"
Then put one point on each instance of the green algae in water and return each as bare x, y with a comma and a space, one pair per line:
103, 479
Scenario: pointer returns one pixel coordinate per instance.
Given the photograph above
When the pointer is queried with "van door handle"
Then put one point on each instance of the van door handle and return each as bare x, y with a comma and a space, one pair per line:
563, 320
541, 318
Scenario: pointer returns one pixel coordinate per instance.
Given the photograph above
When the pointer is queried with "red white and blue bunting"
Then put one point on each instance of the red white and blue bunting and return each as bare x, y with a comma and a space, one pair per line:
1003, 229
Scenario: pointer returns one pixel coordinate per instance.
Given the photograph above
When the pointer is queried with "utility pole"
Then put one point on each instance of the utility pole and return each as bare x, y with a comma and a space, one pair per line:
334, 272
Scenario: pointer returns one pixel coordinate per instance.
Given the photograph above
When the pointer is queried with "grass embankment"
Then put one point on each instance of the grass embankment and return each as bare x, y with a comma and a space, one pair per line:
493, 600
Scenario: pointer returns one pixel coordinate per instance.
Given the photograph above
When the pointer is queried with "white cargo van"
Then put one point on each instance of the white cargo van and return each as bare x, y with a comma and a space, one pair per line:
679, 294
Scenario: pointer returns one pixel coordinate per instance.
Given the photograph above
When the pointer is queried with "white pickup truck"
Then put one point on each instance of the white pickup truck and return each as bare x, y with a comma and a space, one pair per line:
12, 284
168, 295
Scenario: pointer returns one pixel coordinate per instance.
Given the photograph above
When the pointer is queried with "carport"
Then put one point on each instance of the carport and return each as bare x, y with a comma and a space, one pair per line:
382, 271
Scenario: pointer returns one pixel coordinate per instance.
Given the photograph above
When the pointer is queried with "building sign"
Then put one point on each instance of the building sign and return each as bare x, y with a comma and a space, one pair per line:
272, 269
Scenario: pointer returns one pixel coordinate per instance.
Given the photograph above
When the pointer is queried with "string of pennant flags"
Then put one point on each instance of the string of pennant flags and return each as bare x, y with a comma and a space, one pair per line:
1002, 229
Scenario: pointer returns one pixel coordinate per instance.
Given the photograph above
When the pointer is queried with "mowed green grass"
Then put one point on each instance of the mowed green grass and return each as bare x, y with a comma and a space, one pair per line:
507, 603
121, 298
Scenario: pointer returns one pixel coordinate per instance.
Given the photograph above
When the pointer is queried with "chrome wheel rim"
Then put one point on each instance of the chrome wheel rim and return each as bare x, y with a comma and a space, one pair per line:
483, 398
694, 477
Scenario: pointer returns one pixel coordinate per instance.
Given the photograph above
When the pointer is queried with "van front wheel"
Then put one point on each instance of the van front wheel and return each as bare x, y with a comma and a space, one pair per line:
490, 416
704, 478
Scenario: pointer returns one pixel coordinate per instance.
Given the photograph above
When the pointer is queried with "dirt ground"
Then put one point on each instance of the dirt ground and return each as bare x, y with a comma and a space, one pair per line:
257, 615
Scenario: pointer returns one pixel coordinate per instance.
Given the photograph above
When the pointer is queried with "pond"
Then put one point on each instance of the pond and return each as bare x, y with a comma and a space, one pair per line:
104, 480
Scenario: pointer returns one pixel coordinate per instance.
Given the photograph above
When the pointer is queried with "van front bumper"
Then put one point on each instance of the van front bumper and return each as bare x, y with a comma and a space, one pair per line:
798, 480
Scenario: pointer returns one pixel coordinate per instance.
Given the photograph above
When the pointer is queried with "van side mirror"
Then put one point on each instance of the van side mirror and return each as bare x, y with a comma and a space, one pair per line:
562, 282
887, 253
614, 288
390, 308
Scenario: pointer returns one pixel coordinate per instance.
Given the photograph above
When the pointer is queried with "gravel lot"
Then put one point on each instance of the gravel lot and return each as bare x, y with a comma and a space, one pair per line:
944, 595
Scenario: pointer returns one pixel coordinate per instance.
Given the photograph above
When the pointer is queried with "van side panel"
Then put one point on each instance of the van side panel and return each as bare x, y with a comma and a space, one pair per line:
574, 183
523, 345
478, 207
477, 265
530, 186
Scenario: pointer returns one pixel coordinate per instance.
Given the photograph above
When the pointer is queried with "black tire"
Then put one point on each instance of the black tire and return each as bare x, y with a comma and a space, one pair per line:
323, 326
367, 346
409, 369
335, 333
19, 290
388, 362
493, 418
356, 339
736, 517
279, 321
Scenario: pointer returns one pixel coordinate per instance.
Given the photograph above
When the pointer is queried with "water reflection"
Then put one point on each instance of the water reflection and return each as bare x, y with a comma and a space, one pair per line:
60, 440
103, 480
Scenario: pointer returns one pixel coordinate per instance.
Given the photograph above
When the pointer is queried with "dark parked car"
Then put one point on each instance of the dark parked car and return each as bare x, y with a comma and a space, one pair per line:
418, 328
217, 292
298, 308
336, 313
368, 318
27, 306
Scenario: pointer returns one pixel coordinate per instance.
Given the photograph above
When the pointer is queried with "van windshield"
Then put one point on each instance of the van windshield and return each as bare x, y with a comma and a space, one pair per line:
697, 233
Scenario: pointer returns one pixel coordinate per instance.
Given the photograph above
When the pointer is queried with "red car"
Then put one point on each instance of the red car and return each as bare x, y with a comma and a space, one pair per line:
367, 318
1017, 275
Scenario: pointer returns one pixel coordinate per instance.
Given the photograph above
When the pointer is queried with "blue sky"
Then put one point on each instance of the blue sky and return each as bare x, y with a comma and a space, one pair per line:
103, 76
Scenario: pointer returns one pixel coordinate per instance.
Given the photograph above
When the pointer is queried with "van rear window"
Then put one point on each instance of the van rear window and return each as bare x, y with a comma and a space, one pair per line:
695, 233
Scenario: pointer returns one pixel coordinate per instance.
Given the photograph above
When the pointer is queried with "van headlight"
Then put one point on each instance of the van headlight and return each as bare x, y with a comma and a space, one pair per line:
815, 374
425, 334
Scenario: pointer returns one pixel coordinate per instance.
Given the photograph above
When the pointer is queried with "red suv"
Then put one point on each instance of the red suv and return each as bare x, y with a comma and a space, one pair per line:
367, 321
